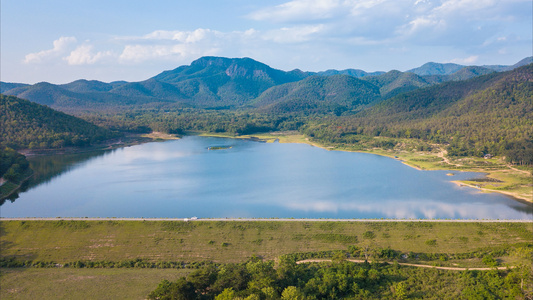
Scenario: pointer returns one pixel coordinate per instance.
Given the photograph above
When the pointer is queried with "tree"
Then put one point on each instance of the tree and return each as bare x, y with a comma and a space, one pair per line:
292, 293
227, 294
401, 290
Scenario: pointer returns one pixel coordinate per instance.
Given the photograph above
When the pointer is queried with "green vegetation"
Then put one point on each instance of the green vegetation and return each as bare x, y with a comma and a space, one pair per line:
256, 279
65, 242
28, 125
217, 258
14, 170
219, 147
67, 283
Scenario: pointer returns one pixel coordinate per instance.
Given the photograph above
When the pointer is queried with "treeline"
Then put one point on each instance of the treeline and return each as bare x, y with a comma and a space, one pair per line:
257, 279
177, 121
13, 165
14, 170
137, 263
24, 124
477, 135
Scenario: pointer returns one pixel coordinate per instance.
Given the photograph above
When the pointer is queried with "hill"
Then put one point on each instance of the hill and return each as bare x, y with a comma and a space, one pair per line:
502, 68
24, 124
207, 82
395, 82
218, 81
81, 96
432, 68
319, 94
6, 86
350, 72
86, 86
488, 114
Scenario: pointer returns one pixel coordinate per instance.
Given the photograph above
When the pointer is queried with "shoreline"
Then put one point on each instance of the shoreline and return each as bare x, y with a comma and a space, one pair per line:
301, 139
127, 140
292, 138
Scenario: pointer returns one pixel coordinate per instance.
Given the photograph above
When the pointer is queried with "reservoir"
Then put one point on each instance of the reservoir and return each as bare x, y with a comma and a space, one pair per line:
217, 177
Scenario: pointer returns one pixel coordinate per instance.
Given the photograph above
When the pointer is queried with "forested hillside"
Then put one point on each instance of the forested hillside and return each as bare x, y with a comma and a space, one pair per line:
24, 124
488, 114
319, 94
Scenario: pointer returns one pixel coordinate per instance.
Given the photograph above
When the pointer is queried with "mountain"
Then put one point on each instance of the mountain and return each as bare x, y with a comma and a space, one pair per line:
59, 98
86, 86
490, 108
6, 86
432, 68
229, 83
207, 82
468, 73
150, 88
502, 68
44, 93
25, 124
396, 82
319, 94
350, 72
218, 81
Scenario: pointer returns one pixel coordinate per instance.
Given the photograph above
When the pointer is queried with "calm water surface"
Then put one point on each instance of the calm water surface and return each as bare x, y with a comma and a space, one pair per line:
182, 178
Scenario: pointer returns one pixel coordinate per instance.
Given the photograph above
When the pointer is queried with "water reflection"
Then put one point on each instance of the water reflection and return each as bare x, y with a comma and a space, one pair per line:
409, 210
46, 168
183, 178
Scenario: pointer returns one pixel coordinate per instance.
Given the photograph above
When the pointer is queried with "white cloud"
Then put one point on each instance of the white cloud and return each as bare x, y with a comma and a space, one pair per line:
141, 53
300, 10
421, 22
174, 45
465, 6
298, 34
61, 46
465, 61
175, 35
84, 55
319, 34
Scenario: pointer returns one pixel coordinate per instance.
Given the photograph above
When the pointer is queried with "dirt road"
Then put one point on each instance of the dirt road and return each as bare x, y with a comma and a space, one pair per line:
406, 264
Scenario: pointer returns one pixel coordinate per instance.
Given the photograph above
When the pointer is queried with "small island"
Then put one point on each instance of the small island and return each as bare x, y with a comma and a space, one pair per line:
218, 147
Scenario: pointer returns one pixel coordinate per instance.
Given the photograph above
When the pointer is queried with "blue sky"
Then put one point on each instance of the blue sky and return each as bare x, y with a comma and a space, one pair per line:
60, 41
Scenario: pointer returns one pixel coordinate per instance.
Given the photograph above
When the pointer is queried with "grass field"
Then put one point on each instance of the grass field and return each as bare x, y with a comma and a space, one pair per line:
234, 241
219, 241
57, 283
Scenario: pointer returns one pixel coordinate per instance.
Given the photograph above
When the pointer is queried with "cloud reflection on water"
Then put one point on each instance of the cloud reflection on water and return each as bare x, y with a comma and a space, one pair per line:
416, 209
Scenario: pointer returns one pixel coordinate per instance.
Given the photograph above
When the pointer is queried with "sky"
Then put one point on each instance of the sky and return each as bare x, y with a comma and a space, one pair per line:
60, 41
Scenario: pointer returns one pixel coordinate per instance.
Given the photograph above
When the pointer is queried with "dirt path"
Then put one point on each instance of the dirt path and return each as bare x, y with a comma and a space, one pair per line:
406, 264
518, 170
442, 154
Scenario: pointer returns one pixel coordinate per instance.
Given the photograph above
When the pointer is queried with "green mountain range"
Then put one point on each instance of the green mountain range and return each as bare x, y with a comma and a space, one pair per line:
488, 114
227, 83
319, 94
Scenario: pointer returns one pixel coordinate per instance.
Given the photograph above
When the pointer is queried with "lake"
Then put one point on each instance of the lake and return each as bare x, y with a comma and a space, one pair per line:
248, 179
